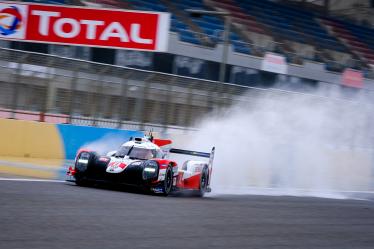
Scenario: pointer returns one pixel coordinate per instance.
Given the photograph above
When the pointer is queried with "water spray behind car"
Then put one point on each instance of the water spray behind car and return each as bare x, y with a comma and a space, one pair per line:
291, 144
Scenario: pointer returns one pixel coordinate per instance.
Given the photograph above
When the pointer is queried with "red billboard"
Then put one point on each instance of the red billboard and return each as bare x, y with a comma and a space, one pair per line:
70, 25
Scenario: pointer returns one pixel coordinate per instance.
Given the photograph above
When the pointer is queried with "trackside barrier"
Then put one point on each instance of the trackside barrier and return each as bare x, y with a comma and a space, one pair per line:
37, 149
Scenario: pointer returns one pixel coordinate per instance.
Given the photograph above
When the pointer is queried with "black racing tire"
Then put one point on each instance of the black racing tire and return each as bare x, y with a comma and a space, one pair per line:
167, 185
80, 181
204, 180
80, 169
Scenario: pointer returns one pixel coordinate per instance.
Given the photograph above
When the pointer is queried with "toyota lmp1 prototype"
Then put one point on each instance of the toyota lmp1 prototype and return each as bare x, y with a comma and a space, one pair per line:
141, 162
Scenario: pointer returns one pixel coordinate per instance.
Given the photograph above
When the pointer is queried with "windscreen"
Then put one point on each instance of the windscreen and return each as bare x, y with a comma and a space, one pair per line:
136, 153
123, 151
141, 153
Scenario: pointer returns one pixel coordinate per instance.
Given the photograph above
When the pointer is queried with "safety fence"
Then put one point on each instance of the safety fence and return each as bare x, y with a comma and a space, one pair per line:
54, 89
45, 87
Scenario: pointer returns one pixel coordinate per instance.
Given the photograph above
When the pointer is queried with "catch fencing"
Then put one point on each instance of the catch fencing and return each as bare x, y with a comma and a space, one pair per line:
54, 89
43, 87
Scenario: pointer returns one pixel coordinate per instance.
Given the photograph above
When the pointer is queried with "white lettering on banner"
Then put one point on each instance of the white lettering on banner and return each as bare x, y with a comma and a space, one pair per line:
58, 28
85, 27
71, 28
91, 28
135, 35
115, 29
44, 20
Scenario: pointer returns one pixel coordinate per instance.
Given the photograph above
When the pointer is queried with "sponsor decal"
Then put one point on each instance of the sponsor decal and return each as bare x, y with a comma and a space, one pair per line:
197, 170
274, 63
194, 66
15, 23
69, 25
115, 165
352, 78
12, 21
137, 163
157, 190
161, 174
134, 58
104, 159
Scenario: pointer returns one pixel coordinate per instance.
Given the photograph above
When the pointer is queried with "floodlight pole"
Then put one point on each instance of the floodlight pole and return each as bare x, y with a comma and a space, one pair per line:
226, 33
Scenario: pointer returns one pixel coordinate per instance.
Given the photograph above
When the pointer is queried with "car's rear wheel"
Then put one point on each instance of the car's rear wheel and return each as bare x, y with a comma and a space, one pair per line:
204, 179
168, 182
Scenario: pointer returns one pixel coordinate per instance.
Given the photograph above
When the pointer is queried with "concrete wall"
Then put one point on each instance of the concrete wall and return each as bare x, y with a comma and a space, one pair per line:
30, 139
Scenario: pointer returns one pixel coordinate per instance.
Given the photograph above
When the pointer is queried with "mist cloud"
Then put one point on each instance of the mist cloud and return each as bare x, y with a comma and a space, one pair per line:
293, 144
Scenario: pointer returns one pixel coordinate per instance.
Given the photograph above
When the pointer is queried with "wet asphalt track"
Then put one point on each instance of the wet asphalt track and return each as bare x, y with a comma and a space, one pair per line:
61, 215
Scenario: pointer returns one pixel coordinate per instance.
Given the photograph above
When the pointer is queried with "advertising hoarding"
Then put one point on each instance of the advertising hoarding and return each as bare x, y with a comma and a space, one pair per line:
70, 25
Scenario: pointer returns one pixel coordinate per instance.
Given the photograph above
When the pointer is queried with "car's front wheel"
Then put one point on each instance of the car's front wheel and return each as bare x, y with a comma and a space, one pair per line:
168, 182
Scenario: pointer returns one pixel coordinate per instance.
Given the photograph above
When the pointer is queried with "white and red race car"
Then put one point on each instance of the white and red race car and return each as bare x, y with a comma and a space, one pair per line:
141, 162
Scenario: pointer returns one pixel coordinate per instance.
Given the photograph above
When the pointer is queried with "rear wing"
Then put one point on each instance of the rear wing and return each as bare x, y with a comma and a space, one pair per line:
196, 153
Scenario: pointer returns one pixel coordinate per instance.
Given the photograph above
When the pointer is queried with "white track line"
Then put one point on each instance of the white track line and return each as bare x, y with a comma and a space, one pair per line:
28, 180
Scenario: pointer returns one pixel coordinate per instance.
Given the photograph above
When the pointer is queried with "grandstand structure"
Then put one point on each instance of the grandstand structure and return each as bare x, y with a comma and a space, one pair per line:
317, 47
260, 26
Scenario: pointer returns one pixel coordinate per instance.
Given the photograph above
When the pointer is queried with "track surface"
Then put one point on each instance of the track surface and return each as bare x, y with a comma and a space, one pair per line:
56, 215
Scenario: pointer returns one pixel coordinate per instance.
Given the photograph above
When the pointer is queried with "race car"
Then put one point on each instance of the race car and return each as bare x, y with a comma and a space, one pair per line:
141, 162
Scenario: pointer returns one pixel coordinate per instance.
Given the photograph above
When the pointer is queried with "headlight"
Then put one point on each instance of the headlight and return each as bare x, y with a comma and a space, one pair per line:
82, 161
150, 170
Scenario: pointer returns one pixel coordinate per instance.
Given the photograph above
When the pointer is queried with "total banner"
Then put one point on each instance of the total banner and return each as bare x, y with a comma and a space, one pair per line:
70, 25
274, 63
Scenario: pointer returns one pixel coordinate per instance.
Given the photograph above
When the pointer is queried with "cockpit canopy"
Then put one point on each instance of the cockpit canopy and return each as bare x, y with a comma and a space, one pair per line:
137, 152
